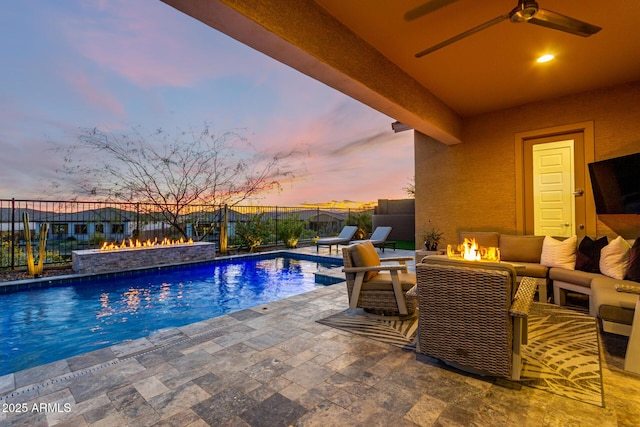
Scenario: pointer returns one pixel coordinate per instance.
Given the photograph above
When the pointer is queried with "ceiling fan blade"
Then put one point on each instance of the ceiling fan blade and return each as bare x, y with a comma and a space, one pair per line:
460, 36
557, 21
426, 8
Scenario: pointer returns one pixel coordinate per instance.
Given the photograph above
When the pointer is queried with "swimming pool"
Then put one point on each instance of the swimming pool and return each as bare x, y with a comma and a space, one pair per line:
63, 320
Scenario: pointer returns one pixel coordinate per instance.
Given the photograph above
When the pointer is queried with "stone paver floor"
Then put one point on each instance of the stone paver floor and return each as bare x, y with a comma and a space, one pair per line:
274, 365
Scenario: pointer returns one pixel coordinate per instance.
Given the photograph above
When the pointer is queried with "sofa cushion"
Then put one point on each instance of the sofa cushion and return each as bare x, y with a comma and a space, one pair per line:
633, 271
577, 277
556, 253
485, 239
588, 254
615, 314
365, 255
532, 269
614, 258
520, 248
603, 292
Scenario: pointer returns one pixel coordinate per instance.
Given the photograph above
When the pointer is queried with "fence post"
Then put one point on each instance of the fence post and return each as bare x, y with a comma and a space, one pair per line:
138, 219
224, 236
13, 233
276, 226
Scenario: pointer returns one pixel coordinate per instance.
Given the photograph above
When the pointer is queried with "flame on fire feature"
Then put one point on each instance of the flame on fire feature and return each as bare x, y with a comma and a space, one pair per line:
132, 244
470, 250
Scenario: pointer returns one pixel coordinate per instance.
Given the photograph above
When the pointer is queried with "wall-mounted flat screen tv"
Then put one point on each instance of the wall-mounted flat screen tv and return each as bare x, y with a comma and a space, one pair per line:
616, 185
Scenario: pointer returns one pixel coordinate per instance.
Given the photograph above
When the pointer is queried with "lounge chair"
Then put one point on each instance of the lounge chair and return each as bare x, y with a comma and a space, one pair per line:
379, 294
343, 238
378, 238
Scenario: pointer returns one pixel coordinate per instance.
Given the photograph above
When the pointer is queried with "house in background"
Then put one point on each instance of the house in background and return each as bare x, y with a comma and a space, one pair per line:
110, 224
480, 106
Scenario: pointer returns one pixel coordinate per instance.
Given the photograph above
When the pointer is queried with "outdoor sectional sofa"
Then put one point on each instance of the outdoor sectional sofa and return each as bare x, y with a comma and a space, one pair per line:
574, 265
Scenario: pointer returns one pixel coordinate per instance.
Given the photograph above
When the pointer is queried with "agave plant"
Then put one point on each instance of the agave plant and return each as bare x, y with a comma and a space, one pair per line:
35, 270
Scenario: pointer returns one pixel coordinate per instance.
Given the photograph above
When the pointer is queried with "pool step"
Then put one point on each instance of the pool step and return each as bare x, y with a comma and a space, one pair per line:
329, 276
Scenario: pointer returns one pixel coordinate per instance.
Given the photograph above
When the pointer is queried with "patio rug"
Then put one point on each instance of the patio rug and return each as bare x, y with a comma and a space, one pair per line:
562, 356
400, 333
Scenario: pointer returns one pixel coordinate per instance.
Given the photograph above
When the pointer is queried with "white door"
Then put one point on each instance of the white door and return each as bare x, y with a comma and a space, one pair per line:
553, 184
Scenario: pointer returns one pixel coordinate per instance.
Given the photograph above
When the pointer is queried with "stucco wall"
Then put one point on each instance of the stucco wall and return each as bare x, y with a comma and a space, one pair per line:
472, 185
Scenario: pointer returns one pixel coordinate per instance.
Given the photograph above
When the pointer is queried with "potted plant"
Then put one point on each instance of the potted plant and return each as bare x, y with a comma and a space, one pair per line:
432, 238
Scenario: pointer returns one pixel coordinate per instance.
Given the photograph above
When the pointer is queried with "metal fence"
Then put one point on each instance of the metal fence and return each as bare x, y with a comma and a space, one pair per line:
77, 225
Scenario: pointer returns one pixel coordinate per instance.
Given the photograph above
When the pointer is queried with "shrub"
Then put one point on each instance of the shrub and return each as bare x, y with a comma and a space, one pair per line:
290, 230
254, 232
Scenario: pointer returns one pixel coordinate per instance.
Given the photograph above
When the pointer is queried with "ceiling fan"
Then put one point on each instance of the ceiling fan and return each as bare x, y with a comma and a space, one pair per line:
525, 11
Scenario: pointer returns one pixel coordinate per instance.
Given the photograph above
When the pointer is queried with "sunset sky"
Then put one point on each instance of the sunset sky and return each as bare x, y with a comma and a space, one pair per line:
73, 64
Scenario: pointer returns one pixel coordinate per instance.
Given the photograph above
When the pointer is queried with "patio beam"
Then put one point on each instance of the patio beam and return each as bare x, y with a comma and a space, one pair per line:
303, 35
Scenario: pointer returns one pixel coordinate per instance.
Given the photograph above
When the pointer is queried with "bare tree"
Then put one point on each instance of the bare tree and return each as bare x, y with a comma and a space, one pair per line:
410, 189
170, 172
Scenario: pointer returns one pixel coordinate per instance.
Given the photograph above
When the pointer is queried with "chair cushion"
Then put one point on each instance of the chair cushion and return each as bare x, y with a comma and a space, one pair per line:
521, 248
365, 255
614, 258
588, 254
382, 282
556, 253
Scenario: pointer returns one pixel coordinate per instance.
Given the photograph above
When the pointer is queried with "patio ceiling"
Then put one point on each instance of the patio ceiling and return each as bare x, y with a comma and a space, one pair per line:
366, 49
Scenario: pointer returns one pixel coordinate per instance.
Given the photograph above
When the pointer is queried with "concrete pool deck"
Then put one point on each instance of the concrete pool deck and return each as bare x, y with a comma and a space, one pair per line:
275, 365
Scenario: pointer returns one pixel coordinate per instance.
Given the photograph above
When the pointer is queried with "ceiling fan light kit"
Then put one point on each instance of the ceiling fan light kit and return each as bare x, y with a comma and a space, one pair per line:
525, 11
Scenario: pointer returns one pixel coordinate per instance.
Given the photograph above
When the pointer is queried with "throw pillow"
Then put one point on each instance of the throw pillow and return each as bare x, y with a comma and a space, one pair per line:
559, 253
365, 255
614, 258
633, 271
588, 255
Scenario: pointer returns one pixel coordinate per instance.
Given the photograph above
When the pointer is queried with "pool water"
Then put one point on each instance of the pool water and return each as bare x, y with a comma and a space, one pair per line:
49, 324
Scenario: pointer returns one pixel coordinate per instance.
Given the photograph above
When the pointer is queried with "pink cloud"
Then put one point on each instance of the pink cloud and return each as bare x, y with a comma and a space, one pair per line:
97, 96
367, 174
150, 46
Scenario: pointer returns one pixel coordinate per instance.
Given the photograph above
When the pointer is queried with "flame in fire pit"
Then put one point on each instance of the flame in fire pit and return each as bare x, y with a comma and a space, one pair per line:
470, 250
132, 244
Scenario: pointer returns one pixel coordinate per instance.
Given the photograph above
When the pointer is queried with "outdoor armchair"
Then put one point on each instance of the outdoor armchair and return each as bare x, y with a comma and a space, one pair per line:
471, 316
378, 288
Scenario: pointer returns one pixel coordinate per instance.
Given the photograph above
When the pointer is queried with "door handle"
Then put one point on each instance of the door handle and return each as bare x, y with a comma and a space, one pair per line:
578, 193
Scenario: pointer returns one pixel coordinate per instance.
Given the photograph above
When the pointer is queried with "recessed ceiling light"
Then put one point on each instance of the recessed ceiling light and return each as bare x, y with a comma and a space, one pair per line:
545, 58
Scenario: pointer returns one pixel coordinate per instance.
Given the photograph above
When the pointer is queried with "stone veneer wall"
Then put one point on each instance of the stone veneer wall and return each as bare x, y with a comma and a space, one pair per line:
97, 261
